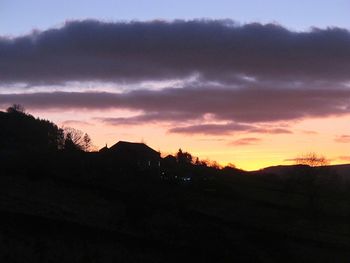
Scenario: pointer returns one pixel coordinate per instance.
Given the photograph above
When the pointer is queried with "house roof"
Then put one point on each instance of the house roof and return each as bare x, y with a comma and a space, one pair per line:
134, 150
104, 149
170, 158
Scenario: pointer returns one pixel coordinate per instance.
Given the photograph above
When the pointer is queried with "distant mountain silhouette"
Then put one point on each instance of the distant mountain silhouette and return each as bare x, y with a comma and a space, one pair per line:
342, 170
280, 169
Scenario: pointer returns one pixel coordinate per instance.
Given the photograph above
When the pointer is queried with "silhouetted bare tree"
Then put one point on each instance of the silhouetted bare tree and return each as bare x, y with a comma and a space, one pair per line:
76, 140
16, 108
315, 180
312, 159
87, 143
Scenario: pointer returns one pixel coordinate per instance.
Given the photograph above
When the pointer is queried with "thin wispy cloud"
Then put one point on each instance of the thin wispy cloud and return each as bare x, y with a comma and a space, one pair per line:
343, 139
271, 130
212, 129
246, 141
76, 122
308, 132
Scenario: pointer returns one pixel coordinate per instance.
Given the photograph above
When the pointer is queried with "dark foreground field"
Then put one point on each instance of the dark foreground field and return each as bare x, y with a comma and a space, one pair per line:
239, 218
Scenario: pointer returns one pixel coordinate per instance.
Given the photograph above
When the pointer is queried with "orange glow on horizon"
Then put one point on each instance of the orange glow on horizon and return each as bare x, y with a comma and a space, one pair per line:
311, 135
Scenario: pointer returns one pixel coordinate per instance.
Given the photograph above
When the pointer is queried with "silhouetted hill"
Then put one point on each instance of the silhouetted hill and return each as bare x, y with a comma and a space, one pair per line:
342, 170
280, 169
21, 131
127, 204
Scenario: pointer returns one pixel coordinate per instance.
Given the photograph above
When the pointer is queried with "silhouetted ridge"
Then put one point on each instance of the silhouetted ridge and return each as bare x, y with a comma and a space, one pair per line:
21, 131
282, 169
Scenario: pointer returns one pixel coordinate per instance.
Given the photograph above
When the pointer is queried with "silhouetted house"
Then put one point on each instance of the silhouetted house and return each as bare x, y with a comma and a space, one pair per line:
170, 161
137, 155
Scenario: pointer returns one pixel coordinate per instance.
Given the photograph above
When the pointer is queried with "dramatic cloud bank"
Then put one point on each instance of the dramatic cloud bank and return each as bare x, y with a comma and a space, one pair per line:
242, 75
136, 51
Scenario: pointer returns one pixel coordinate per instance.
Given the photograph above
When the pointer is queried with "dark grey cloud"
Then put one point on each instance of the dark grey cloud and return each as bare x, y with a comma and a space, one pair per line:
150, 117
136, 51
248, 105
203, 128
212, 129
227, 128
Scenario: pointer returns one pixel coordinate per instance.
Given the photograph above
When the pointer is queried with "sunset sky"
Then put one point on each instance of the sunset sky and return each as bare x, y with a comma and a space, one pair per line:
254, 83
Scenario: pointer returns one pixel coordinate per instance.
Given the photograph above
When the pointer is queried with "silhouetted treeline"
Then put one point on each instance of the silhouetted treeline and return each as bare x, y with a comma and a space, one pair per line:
21, 131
